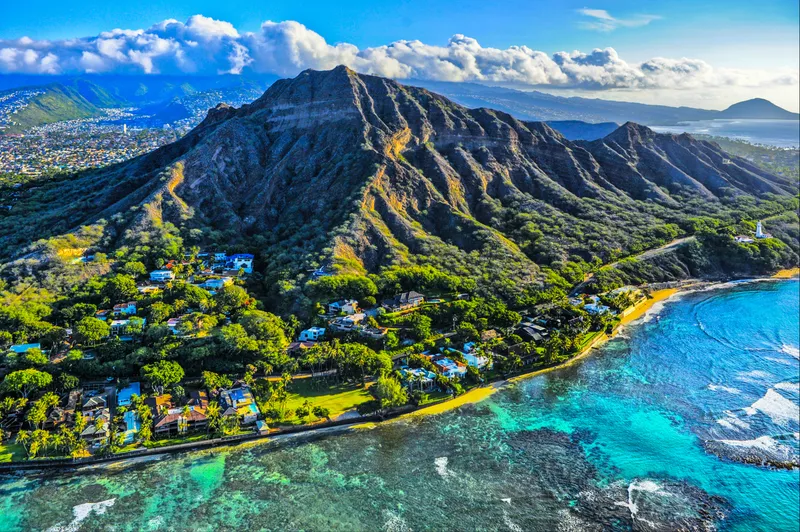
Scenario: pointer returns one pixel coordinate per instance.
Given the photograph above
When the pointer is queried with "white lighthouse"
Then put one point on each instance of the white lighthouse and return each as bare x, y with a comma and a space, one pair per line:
760, 232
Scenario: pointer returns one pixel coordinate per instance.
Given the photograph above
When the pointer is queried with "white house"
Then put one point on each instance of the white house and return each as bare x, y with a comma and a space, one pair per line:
118, 327
240, 261
312, 335
161, 276
220, 257
348, 306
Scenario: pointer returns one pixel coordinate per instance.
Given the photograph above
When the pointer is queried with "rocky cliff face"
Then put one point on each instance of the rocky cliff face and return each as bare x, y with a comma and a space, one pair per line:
368, 171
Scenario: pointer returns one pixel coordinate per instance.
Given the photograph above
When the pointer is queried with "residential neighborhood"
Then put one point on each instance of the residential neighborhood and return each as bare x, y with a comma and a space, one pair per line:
355, 357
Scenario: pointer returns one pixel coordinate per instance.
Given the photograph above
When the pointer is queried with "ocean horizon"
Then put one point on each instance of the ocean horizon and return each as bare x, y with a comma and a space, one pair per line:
779, 133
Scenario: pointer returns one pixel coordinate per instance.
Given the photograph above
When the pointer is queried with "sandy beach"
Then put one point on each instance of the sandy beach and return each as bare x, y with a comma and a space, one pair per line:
479, 394
788, 273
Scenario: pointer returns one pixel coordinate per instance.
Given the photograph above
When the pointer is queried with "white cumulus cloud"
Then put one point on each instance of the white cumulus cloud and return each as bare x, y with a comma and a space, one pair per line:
203, 45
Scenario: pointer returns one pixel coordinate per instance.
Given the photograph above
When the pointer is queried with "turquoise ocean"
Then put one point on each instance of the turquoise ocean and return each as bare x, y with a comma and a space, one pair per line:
654, 431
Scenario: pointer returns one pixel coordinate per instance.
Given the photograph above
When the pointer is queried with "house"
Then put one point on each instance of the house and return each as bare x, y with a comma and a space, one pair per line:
198, 398
95, 402
262, 427
118, 327
404, 301
299, 346
159, 403
743, 239
347, 323
220, 257
128, 308
419, 378
161, 276
348, 306
125, 395
102, 315
176, 420
529, 334
312, 335
476, 361
148, 289
57, 416
24, 348
239, 401
450, 368
172, 323
376, 333
97, 432
240, 261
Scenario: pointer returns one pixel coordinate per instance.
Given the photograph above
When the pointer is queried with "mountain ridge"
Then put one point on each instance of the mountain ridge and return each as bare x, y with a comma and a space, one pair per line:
364, 173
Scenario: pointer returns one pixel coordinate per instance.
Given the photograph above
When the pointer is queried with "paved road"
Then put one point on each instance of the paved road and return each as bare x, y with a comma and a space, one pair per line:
649, 254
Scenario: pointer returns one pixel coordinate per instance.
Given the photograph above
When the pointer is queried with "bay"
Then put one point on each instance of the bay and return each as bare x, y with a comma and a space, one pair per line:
780, 133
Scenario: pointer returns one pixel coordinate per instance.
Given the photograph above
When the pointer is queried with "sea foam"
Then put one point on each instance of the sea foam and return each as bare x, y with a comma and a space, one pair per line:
779, 409
81, 512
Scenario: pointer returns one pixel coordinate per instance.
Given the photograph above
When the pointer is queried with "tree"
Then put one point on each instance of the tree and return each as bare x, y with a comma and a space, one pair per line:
91, 330
553, 348
134, 269
162, 374
214, 415
35, 358
390, 393
37, 414
146, 422
321, 412
120, 288
160, 312
214, 381
25, 381
420, 326
304, 410
231, 299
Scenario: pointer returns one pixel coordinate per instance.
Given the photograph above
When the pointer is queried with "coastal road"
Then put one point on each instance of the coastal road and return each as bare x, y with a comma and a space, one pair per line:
649, 254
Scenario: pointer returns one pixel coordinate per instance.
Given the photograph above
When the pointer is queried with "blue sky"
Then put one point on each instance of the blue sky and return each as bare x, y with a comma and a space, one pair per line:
730, 34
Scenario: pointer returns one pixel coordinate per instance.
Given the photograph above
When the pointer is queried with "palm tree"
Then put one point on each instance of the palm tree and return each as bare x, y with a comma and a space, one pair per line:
23, 438
213, 412
183, 425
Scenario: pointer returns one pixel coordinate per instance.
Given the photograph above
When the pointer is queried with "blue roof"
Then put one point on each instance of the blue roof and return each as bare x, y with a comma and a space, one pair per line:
124, 395
241, 256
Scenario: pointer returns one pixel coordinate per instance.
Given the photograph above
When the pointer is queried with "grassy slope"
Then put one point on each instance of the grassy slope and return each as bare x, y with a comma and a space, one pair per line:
56, 104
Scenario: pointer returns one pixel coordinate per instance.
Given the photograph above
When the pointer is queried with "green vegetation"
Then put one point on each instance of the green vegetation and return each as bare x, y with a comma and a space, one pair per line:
57, 103
335, 398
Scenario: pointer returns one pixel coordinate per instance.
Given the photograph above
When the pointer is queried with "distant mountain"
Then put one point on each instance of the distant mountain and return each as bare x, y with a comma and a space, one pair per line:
137, 90
52, 103
758, 108
364, 172
535, 105
577, 130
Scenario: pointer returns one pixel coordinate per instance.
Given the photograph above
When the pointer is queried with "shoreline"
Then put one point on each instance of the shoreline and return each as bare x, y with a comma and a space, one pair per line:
788, 273
483, 392
474, 395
